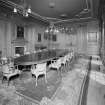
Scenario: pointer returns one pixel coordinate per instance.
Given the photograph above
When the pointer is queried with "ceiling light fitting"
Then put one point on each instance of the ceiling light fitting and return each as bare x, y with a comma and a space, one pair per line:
24, 9
51, 29
15, 10
52, 5
25, 12
29, 10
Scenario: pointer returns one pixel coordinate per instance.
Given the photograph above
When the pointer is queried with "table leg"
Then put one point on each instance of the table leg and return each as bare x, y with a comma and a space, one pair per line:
8, 80
3, 79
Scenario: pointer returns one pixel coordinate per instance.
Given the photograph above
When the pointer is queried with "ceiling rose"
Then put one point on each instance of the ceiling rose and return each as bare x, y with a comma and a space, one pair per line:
51, 4
63, 15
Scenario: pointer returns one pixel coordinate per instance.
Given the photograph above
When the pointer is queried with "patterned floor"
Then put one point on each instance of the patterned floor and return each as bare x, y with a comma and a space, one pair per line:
96, 90
67, 94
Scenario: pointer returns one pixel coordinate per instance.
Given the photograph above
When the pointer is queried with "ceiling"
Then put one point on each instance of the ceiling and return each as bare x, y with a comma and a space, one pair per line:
58, 10
61, 9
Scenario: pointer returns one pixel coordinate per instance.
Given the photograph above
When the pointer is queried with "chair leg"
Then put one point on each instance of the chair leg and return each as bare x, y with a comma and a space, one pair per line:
32, 75
59, 72
36, 80
45, 78
8, 80
20, 76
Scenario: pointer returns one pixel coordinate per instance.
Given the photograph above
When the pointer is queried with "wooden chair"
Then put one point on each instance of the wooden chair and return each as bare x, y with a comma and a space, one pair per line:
56, 64
4, 60
9, 72
40, 69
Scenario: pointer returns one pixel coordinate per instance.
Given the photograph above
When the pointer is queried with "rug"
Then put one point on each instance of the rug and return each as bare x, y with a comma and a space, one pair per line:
43, 89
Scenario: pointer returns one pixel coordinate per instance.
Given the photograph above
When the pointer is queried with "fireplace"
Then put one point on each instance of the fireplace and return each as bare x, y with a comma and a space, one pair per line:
19, 50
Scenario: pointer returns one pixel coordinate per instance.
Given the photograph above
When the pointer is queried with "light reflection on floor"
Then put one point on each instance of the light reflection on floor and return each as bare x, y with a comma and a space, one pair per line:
98, 77
97, 62
81, 71
95, 75
80, 67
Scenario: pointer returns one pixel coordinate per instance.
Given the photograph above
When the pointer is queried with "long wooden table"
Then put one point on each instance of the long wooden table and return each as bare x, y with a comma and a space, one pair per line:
39, 57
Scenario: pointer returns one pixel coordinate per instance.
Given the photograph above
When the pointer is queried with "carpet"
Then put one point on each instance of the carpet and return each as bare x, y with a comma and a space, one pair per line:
29, 89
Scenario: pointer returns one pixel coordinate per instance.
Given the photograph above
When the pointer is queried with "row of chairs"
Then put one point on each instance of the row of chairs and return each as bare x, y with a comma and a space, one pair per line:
41, 69
36, 70
61, 61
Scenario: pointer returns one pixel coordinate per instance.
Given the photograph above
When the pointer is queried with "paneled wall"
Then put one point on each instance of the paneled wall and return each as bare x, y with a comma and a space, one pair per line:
79, 42
93, 42
8, 40
32, 36
6, 32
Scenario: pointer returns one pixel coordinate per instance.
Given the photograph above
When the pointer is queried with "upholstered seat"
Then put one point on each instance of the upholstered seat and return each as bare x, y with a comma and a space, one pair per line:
39, 69
9, 72
56, 64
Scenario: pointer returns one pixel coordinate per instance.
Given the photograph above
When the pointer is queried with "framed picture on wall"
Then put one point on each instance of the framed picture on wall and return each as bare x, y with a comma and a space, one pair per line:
39, 37
20, 32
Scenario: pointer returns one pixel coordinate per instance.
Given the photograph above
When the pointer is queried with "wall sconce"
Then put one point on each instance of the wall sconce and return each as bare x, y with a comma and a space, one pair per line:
15, 10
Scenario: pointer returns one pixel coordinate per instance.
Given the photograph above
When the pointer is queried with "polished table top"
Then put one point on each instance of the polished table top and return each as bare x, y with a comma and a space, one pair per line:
39, 57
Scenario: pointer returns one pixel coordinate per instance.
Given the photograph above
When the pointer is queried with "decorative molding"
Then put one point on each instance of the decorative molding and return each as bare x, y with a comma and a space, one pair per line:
20, 8
75, 20
20, 41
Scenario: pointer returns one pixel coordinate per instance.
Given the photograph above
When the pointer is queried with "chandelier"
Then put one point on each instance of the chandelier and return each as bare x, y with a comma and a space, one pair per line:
23, 8
54, 29
51, 29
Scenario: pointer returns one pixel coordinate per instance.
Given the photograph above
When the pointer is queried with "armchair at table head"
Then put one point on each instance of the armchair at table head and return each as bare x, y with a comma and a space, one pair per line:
5, 69
9, 72
63, 60
4, 60
40, 69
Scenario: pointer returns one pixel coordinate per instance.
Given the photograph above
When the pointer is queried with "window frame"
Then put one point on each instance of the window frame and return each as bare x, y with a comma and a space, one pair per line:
39, 37
20, 35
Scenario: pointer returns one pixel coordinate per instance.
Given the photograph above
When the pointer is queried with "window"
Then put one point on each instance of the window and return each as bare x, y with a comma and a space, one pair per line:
20, 32
39, 37
54, 38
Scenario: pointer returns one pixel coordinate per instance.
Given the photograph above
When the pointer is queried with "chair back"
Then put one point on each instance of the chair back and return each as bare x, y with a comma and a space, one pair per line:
5, 69
59, 61
63, 60
33, 68
41, 67
4, 60
11, 64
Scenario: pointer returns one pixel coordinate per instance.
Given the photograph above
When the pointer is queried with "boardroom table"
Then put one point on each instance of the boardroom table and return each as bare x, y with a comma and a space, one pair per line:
39, 57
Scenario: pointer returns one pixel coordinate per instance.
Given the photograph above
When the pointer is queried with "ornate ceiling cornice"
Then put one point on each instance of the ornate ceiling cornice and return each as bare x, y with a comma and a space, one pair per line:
20, 9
